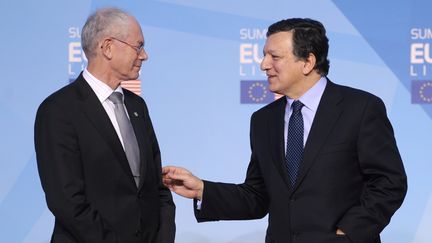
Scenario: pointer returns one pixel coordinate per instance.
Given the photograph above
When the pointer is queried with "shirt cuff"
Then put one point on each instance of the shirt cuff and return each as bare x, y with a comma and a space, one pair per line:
198, 204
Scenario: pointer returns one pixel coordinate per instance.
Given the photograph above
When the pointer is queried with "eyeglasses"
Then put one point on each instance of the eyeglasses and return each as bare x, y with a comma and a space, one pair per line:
138, 49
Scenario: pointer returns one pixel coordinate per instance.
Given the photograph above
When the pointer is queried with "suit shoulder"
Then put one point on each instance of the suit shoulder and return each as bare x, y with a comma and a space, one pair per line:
62, 97
275, 105
355, 93
357, 99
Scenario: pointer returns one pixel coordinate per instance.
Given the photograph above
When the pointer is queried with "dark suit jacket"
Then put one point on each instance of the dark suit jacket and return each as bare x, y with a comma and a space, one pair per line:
351, 176
86, 177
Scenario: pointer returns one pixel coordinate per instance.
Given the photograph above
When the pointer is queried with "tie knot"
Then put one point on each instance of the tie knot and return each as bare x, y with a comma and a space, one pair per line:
116, 98
296, 106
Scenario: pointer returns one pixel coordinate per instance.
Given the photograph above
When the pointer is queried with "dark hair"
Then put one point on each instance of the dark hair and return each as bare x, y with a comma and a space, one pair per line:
309, 36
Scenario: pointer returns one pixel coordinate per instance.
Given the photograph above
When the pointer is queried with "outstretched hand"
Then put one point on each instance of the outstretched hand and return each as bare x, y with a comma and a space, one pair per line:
182, 182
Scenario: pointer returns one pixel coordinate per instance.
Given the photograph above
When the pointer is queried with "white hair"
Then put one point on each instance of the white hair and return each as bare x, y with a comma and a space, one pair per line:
103, 23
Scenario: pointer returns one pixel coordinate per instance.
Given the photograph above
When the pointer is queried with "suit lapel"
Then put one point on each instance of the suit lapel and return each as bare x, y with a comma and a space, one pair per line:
136, 116
95, 112
325, 119
276, 125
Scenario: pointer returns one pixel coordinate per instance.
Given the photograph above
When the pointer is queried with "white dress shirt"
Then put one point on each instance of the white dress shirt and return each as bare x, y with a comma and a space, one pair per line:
103, 91
310, 100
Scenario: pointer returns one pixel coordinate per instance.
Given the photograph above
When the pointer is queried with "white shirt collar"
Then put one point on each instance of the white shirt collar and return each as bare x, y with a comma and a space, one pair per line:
101, 89
312, 97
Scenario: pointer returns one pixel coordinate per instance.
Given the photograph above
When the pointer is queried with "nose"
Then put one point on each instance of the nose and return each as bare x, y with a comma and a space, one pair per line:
143, 55
265, 63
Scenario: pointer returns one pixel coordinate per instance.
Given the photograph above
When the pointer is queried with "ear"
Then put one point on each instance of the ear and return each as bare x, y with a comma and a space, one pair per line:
106, 48
309, 64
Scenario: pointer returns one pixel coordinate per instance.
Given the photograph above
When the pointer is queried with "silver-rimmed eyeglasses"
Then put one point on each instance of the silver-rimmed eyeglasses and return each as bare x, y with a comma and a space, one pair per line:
138, 49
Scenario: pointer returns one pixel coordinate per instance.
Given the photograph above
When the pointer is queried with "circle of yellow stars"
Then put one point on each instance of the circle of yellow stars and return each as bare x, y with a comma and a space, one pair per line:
422, 92
257, 85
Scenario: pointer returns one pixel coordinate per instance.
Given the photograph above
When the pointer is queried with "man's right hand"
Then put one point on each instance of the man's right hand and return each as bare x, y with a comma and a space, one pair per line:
182, 182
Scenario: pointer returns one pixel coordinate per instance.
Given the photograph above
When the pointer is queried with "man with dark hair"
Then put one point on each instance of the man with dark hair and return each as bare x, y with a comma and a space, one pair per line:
309, 37
324, 166
98, 157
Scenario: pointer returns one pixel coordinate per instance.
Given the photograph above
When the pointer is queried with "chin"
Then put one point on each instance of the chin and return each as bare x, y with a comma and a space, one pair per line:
134, 76
273, 89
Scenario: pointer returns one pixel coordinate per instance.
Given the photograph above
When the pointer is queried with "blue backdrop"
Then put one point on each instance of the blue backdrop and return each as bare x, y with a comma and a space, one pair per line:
202, 83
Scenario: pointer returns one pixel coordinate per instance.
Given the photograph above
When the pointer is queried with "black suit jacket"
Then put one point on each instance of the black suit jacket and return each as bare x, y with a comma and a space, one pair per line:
86, 177
351, 176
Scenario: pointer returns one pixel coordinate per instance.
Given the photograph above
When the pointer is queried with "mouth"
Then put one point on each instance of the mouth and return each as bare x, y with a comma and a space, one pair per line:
269, 76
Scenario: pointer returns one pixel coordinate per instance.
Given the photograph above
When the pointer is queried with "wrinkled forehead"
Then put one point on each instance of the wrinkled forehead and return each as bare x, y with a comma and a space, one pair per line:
280, 41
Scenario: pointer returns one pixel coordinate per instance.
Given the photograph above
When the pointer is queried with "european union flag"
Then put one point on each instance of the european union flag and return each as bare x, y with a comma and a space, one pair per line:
255, 92
421, 92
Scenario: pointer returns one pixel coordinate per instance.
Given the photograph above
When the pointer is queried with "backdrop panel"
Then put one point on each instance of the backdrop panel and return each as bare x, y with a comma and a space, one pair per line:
202, 83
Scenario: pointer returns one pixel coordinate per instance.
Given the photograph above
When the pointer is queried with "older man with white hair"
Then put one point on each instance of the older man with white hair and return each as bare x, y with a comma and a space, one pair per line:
98, 156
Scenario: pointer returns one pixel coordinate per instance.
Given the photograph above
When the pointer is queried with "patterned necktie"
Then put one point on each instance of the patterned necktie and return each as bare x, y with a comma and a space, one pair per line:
294, 149
128, 135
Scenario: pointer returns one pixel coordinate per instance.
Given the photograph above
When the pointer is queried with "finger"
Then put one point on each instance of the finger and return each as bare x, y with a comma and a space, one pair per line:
167, 182
172, 182
182, 191
167, 169
179, 176
174, 173
170, 170
339, 232
175, 169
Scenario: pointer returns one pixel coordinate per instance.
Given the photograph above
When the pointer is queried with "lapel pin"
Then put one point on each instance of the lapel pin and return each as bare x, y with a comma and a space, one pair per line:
135, 114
